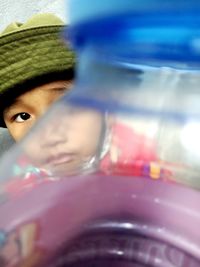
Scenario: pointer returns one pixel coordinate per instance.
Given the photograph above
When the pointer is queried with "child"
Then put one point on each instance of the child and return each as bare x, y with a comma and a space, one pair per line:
73, 140
36, 68
85, 141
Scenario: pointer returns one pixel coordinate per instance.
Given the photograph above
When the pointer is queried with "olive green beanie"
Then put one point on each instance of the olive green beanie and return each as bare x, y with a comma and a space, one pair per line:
30, 50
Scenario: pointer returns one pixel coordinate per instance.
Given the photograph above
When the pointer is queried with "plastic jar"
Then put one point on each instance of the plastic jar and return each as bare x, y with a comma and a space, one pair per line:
135, 200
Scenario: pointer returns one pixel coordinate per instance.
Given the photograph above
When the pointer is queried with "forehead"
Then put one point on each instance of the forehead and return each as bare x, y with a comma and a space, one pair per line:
45, 93
52, 87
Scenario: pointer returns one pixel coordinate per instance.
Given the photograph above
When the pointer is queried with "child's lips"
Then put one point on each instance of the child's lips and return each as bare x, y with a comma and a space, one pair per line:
60, 159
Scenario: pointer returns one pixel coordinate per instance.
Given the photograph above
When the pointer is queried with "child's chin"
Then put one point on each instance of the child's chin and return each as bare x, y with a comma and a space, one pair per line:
64, 170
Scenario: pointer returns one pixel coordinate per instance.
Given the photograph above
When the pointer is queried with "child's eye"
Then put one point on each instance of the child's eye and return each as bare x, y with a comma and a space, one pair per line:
21, 117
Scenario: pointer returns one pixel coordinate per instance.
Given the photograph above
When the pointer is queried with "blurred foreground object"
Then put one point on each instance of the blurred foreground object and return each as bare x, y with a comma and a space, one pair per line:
114, 166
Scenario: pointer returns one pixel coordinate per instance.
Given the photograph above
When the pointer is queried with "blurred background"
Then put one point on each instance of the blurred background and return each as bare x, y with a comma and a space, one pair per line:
20, 11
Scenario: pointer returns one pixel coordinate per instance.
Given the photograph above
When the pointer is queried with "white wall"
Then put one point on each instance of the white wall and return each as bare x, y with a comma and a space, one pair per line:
21, 10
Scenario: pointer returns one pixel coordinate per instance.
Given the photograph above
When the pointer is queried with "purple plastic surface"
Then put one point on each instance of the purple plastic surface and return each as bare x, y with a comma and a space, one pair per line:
64, 209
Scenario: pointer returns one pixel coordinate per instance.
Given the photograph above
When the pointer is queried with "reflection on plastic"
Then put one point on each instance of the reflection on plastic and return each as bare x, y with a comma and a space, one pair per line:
80, 137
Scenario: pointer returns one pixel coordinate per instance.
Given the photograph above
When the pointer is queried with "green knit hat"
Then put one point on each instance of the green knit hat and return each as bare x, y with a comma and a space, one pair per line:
29, 51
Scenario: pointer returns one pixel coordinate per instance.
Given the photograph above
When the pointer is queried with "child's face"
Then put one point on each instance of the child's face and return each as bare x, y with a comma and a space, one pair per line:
68, 142
30, 106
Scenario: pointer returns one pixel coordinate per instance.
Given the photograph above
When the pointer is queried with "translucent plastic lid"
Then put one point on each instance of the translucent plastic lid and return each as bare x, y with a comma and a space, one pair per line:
147, 31
81, 11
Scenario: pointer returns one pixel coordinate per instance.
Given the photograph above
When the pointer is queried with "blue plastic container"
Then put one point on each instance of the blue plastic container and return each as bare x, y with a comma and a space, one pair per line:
142, 59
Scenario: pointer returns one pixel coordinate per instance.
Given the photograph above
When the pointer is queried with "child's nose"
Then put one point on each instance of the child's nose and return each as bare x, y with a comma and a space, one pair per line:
53, 142
54, 136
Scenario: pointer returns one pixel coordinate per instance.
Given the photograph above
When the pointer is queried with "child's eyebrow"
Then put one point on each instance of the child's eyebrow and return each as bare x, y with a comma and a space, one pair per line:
14, 105
61, 88
58, 89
